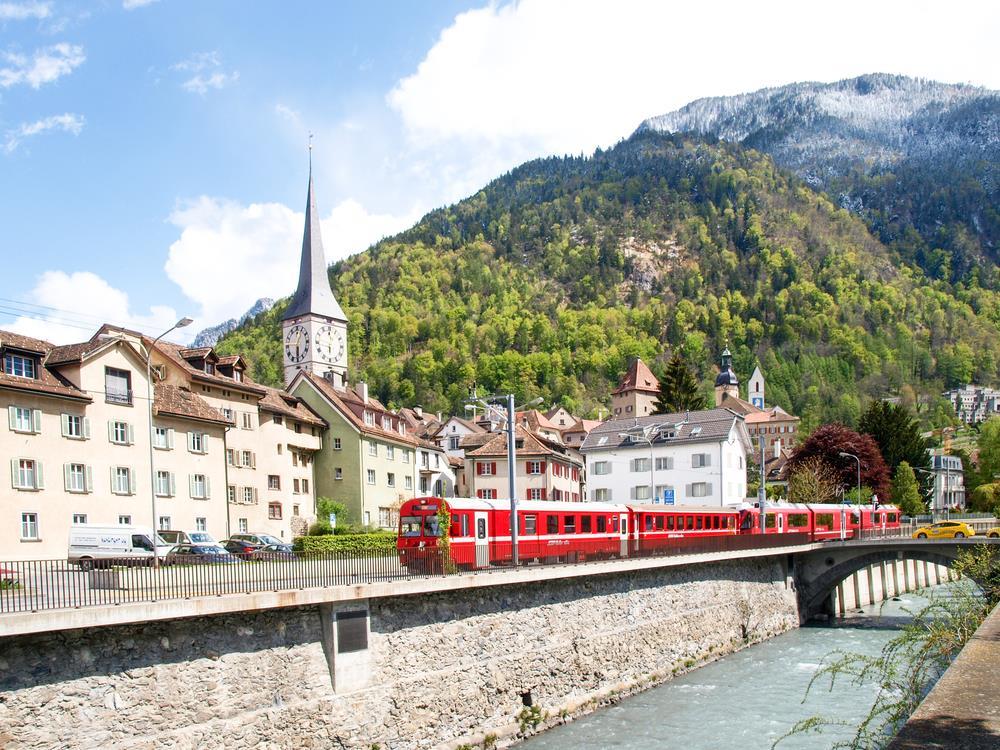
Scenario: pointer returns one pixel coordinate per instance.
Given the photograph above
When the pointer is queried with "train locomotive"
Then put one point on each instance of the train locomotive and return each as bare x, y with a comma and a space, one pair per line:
552, 531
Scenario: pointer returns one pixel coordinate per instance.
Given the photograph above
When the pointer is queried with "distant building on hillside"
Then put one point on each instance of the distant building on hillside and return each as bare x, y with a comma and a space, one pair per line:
949, 483
974, 404
636, 394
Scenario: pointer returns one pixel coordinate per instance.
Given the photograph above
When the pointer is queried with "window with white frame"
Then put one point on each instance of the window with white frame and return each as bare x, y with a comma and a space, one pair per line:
600, 467
164, 523
231, 493
390, 479
119, 433
640, 492
274, 511
29, 526
486, 468
197, 442
700, 460
19, 365
664, 463
700, 489
199, 486
122, 480
408, 482
248, 420
241, 524
305, 486
200, 524
75, 426
273, 482
534, 493
338, 474
117, 386
639, 464
26, 474
390, 452
163, 438
453, 442
337, 444
386, 423
601, 495
372, 448
406, 456
247, 459
164, 484
124, 520
369, 418
23, 419
76, 476
535, 467
249, 495
295, 486
79, 518
425, 485
487, 494
371, 476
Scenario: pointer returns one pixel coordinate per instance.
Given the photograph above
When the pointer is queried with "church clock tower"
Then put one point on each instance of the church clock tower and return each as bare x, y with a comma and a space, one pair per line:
314, 329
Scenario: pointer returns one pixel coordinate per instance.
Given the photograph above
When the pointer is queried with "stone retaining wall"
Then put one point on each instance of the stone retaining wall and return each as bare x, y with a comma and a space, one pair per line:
440, 670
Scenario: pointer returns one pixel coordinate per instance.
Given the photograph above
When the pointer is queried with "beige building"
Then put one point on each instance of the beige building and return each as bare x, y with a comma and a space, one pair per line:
544, 470
636, 394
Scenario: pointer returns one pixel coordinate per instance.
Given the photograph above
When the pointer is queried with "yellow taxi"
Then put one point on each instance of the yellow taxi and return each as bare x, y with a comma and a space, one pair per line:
993, 533
944, 530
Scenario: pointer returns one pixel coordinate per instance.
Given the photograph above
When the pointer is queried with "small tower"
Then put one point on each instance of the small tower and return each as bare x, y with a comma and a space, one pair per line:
755, 388
727, 383
314, 329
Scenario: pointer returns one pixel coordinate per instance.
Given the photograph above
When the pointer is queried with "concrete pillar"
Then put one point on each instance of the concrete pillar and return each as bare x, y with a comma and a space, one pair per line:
346, 631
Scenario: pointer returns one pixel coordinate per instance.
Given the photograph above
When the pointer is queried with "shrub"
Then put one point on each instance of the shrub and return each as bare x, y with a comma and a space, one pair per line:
376, 542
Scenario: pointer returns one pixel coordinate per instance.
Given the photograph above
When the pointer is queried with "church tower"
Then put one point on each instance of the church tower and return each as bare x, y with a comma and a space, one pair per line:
755, 388
314, 329
726, 382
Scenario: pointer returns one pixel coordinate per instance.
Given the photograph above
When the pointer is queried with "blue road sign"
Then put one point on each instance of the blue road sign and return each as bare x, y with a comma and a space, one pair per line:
668, 496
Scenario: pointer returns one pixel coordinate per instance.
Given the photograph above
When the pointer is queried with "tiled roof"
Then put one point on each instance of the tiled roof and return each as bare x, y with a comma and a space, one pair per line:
472, 427
533, 445
48, 381
180, 402
583, 425
712, 425
62, 355
197, 352
775, 414
231, 359
537, 421
475, 440
173, 352
638, 378
280, 402
738, 405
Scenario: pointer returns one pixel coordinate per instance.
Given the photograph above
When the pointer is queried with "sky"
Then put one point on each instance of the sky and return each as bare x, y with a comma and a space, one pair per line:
154, 153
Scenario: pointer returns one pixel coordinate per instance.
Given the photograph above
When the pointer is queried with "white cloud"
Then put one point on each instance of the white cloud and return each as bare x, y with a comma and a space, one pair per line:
229, 254
72, 307
566, 77
68, 123
133, 4
206, 68
24, 11
44, 66
288, 113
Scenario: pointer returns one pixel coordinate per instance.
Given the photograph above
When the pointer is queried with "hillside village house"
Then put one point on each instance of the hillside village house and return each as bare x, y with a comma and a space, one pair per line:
544, 469
699, 456
636, 394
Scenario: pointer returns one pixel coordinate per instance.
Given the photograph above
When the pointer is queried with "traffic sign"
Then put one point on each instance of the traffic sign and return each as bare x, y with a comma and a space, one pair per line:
668, 496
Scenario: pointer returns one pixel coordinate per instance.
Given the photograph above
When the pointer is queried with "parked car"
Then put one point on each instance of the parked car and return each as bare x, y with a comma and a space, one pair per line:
993, 533
274, 552
187, 537
93, 546
257, 538
945, 530
197, 554
240, 547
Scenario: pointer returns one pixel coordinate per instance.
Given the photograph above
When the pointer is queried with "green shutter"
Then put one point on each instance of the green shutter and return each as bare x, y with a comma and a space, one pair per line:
131, 481
86, 428
88, 478
66, 475
36, 420
13, 472
12, 417
39, 477
64, 420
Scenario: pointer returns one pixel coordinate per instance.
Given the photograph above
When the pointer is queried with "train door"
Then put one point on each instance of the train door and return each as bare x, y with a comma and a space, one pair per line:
781, 522
623, 534
482, 540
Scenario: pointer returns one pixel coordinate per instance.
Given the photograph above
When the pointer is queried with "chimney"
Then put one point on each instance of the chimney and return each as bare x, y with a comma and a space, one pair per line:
363, 391
334, 379
439, 416
419, 411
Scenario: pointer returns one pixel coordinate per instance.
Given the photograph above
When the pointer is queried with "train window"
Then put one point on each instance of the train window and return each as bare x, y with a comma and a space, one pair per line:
699, 522
649, 523
569, 525
731, 522
531, 524
585, 523
409, 526
659, 523
602, 524
670, 523
748, 522
892, 518
614, 523
715, 522
824, 519
432, 526
552, 524
771, 520
690, 522
798, 520
480, 528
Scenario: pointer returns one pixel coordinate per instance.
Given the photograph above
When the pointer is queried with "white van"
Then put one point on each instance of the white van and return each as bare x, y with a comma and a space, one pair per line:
93, 546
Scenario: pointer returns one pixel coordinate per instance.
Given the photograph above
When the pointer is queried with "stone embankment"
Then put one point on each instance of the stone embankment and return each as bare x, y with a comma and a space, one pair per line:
468, 667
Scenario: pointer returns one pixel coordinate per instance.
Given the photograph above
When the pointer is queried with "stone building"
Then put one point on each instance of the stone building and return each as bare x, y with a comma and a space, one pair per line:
636, 394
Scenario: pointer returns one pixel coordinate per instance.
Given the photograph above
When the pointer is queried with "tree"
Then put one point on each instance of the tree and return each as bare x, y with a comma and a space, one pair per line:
897, 434
829, 441
813, 481
984, 498
906, 491
678, 389
989, 450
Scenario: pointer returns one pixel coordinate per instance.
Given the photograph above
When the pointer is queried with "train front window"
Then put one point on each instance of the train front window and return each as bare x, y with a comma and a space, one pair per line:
747, 523
432, 526
409, 526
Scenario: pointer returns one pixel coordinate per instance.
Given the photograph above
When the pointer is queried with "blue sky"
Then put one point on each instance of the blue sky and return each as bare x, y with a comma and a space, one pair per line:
153, 155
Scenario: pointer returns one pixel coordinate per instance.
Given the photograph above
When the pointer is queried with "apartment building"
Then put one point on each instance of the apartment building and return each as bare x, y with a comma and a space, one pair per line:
695, 458
974, 404
544, 469
78, 442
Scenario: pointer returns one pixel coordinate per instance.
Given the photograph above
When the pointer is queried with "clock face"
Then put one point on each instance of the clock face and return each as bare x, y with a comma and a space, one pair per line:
330, 344
296, 343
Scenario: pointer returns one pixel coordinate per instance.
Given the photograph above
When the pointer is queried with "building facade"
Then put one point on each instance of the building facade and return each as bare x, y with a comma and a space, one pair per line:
544, 470
697, 458
974, 404
636, 394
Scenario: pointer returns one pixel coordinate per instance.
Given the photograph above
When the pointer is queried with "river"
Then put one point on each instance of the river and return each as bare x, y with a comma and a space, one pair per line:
746, 700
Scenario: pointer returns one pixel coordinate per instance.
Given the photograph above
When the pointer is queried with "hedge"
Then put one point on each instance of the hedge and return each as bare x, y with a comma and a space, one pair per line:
346, 543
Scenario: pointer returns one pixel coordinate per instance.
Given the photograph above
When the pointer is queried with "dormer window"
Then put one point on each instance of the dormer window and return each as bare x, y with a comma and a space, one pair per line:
19, 365
369, 418
238, 376
386, 423
209, 368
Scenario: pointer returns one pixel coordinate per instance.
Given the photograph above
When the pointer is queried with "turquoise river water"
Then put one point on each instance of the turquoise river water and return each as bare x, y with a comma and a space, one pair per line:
746, 700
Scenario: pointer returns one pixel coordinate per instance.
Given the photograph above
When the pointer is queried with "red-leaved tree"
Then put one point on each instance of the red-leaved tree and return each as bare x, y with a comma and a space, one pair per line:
829, 441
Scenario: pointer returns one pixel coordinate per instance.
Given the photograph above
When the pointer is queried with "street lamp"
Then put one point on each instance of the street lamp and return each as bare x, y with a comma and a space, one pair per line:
149, 407
843, 510
489, 404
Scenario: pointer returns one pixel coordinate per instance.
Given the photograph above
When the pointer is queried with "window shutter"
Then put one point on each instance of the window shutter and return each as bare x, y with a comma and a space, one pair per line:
543, 467
86, 428
39, 477
493, 468
66, 476
191, 485
687, 490
113, 488
13, 472
36, 420
170, 438
544, 493
130, 433
204, 442
111, 431
64, 421
88, 478
253, 462
255, 494
708, 459
708, 489
171, 484
131, 481
527, 493
479, 466
190, 439
208, 487
11, 417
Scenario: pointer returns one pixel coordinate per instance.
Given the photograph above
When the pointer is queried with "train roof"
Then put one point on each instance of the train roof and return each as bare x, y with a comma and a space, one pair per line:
550, 506
645, 507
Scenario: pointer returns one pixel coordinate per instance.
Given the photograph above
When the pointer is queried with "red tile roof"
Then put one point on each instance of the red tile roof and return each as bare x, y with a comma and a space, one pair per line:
173, 352
532, 445
47, 381
638, 378
170, 400
278, 401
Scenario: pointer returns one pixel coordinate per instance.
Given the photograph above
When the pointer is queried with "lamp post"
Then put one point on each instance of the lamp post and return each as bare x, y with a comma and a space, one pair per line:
149, 410
490, 404
843, 511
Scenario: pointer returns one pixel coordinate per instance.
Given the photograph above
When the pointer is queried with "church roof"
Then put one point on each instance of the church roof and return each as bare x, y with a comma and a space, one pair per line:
313, 294
638, 378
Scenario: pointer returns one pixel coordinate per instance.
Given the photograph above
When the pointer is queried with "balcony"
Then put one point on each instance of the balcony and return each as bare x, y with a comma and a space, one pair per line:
118, 397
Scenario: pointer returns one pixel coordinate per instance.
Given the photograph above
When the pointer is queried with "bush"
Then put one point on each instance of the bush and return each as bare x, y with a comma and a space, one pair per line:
375, 542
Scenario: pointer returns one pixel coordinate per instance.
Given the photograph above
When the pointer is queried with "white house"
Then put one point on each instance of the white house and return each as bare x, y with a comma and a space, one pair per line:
698, 457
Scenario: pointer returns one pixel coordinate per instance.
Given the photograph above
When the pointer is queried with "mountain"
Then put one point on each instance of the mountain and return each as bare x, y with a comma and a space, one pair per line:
211, 335
918, 160
547, 280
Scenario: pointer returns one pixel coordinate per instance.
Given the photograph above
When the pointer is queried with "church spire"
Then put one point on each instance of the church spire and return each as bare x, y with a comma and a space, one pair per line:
313, 295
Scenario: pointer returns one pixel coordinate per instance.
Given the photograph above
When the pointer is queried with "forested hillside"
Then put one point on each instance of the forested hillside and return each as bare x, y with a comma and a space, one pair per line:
548, 279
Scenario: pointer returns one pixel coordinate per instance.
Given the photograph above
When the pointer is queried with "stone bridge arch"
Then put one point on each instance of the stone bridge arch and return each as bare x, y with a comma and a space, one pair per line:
819, 572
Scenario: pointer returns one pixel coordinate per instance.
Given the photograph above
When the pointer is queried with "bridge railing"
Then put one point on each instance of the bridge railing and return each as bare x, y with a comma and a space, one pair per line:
32, 586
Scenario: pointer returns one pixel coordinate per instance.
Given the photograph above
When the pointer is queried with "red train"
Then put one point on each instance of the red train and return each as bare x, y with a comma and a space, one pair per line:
550, 531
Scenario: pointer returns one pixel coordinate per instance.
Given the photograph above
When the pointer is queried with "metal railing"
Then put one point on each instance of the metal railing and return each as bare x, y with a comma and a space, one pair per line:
38, 585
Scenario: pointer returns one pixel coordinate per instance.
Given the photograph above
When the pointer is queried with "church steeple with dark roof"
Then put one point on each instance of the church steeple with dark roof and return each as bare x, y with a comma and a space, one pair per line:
726, 382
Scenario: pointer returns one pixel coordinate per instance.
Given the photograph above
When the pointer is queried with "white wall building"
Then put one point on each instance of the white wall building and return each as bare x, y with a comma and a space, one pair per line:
700, 456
